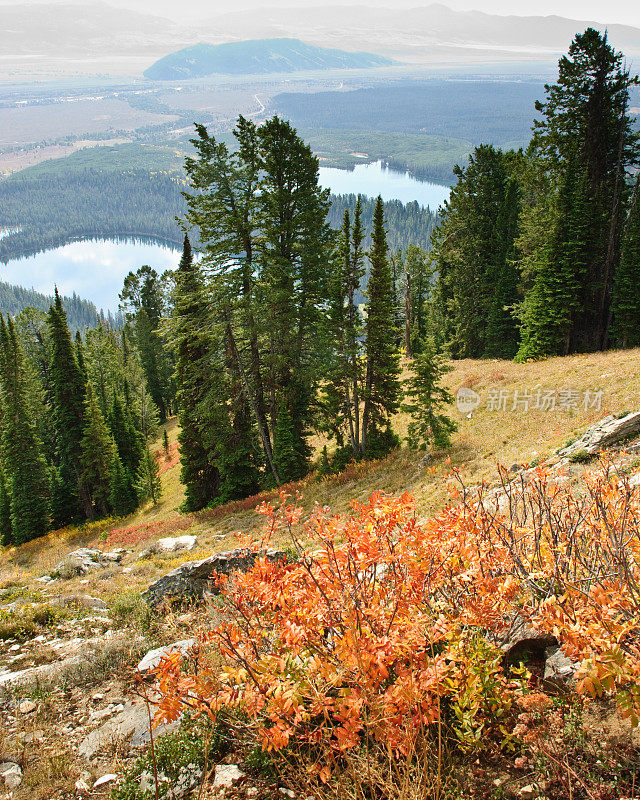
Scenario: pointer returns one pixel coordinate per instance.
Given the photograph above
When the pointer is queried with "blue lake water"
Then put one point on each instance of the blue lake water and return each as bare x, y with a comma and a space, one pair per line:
94, 269
375, 179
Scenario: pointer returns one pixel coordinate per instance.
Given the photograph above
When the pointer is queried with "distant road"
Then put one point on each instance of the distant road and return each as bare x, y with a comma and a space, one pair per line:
261, 110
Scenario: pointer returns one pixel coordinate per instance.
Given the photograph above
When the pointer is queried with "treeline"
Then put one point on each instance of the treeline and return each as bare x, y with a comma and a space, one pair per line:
406, 223
80, 313
538, 252
77, 414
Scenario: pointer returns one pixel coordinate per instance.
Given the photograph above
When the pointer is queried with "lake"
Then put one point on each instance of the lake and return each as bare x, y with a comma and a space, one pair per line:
94, 269
375, 179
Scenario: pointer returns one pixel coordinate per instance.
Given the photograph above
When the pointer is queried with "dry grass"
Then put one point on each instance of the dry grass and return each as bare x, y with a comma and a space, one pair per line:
482, 441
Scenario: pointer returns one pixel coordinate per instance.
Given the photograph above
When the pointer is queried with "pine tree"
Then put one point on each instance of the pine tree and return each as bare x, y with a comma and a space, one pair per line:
550, 307
429, 424
191, 343
98, 451
23, 463
123, 497
502, 336
626, 288
5, 513
165, 442
148, 484
68, 399
382, 389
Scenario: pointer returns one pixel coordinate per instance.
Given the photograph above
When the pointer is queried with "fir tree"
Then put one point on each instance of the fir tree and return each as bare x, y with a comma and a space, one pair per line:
550, 307
165, 442
97, 455
23, 463
123, 497
382, 389
501, 340
148, 484
127, 439
5, 512
68, 399
626, 290
190, 340
80, 357
429, 424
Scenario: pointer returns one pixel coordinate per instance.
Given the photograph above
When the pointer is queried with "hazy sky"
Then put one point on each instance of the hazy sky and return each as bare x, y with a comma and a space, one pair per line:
622, 11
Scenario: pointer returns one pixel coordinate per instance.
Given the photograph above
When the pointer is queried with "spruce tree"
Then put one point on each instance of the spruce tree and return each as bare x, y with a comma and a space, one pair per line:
123, 497
5, 512
626, 288
502, 336
24, 465
148, 484
429, 424
189, 335
97, 455
550, 308
382, 390
68, 400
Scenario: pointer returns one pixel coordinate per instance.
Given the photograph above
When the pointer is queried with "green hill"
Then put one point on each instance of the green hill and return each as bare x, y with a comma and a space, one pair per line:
258, 56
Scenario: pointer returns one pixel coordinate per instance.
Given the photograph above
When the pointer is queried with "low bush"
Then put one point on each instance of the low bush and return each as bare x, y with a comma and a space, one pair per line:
386, 632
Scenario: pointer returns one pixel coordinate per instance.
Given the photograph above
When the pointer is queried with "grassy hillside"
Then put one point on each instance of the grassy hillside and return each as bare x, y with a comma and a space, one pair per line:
486, 439
49, 754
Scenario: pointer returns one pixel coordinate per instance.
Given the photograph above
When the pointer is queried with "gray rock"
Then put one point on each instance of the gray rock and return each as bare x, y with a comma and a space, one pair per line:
154, 657
603, 434
11, 774
130, 725
170, 544
190, 581
84, 560
522, 642
559, 671
226, 775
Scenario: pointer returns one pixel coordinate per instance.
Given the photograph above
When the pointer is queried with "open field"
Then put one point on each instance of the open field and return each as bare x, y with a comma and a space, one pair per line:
46, 122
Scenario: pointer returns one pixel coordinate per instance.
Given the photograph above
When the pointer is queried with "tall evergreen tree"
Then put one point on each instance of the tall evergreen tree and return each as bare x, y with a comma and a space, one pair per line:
68, 399
549, 310
502, 336
469, 252
585, 118
98, 452
382, 388
23, 463
190, 326
123, 497
626, 289
148, 483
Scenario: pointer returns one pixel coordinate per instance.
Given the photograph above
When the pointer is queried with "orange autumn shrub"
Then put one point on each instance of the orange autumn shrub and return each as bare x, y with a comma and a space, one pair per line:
387, 626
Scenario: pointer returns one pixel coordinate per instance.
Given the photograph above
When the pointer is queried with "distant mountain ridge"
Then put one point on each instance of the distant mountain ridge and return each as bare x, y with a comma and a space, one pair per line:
257, 57
419, 30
